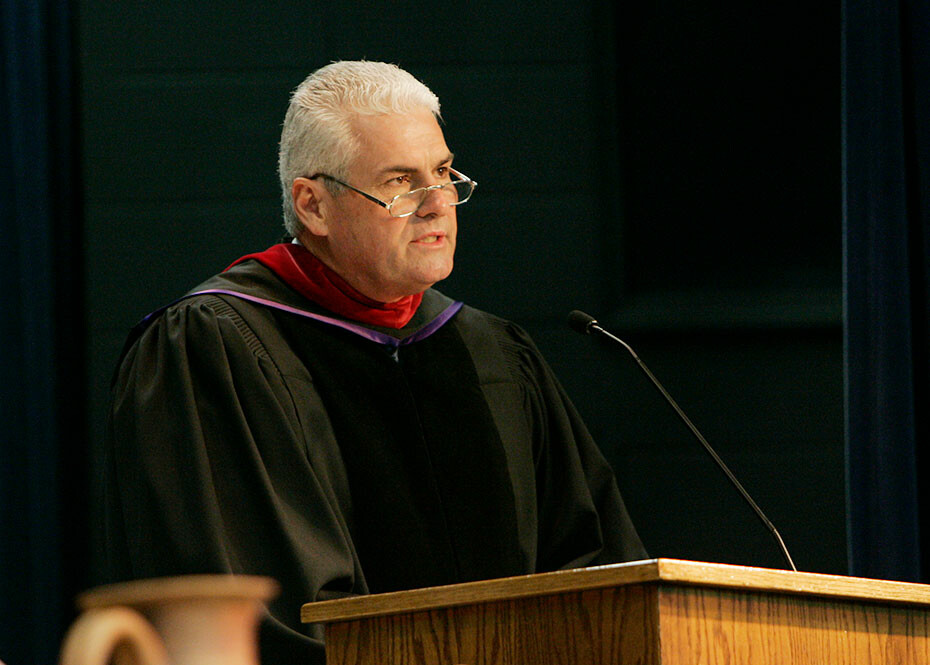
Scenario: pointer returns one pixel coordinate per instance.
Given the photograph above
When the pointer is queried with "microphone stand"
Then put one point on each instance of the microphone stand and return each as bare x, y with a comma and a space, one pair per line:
587, 325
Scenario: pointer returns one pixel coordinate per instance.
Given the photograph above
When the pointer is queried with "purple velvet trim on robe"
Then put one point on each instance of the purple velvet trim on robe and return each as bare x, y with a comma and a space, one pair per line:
362, 331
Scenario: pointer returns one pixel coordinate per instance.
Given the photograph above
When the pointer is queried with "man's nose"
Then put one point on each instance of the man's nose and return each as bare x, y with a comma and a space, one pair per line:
433, 204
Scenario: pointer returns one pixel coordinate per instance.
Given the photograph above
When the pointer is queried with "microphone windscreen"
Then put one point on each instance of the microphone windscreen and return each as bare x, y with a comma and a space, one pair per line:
580, 322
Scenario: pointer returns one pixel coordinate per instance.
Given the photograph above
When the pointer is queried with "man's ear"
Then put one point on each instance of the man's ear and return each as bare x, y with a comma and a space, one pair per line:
308, 197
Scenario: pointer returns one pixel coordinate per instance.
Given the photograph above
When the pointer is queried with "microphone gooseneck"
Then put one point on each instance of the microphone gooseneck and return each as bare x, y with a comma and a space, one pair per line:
587, 325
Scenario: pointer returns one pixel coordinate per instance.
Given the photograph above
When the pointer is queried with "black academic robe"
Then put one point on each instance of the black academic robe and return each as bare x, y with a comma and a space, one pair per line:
246, 438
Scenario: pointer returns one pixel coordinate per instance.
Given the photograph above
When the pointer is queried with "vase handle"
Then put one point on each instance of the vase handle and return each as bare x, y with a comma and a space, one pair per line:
114, 634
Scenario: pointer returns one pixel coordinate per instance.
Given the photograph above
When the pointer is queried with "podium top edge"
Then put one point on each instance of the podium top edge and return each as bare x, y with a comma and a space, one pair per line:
651, 571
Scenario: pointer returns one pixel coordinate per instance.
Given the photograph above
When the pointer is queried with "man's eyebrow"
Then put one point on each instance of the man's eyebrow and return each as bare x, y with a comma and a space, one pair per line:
399, 168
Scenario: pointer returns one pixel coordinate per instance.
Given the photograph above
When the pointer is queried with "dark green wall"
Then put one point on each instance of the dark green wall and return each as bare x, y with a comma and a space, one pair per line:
672, 168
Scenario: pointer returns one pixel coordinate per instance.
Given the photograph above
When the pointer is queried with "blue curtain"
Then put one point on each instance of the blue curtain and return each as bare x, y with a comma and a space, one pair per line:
886, 212
40, 339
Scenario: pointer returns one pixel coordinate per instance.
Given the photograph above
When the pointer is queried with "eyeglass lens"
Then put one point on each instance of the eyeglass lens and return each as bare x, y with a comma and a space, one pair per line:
453, 192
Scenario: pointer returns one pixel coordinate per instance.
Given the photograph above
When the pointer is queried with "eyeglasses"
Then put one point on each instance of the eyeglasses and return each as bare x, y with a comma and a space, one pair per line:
455, 193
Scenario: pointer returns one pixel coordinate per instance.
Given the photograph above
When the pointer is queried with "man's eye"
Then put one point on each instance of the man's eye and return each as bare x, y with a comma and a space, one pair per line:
400, 180
443, 171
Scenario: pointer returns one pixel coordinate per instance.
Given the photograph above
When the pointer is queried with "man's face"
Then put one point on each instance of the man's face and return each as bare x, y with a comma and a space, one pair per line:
385, 257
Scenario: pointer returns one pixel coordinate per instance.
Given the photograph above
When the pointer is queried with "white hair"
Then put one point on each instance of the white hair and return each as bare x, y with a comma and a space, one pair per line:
317, 136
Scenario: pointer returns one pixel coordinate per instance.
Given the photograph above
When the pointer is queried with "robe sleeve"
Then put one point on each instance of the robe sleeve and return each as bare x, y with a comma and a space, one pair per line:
582, 517
208, 470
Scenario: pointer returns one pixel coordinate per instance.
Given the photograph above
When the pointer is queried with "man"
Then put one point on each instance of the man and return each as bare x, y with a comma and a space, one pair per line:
319, 414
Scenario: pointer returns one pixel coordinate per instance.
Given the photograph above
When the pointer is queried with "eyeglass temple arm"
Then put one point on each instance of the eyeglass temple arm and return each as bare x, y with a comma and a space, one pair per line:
354, 189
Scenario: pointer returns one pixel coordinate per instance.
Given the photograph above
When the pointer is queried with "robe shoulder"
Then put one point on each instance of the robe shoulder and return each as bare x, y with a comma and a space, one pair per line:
207, 458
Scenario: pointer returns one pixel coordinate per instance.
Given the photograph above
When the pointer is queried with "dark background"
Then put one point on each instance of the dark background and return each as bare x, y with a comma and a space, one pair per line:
673, 170
671, 167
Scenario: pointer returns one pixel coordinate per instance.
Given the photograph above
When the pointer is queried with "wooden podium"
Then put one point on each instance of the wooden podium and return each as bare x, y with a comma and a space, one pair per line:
662, 611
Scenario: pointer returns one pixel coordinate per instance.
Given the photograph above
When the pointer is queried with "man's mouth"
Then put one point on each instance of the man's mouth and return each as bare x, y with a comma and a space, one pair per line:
431, 238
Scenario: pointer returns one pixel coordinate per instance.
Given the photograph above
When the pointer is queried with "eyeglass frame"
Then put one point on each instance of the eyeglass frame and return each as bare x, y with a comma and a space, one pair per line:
425, 190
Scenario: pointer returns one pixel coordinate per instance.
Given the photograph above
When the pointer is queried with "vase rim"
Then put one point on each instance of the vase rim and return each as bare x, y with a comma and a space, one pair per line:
183, 587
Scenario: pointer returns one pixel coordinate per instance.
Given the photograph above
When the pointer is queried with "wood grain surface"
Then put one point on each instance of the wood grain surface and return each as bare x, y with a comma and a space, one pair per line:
654, 570
600, 626
660, 612
715, 627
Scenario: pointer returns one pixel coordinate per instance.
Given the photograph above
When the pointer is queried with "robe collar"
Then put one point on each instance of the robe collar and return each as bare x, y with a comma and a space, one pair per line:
314, 280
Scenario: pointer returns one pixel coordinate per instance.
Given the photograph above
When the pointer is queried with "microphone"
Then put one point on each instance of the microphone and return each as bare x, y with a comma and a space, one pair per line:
587, 325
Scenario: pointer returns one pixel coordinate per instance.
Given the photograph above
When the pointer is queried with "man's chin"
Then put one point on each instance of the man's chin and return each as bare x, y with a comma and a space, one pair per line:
442, 274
